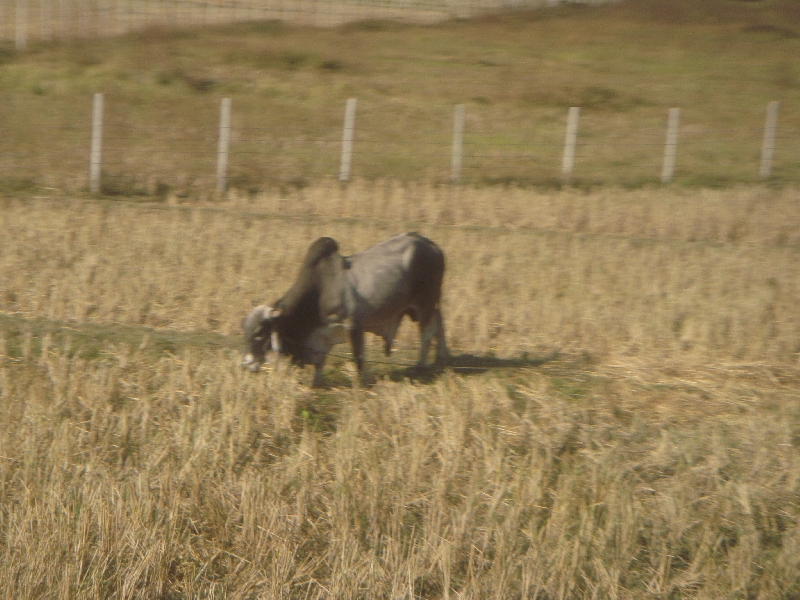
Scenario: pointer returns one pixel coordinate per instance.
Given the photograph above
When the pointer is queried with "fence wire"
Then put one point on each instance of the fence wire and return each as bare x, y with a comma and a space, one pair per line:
47, 144
23, 21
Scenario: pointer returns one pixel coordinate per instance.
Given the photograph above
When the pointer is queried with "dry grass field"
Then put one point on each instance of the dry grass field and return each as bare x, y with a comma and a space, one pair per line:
621, 418
697, 272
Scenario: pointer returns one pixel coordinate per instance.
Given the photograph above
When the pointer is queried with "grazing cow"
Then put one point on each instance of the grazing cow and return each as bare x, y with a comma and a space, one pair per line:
335, 297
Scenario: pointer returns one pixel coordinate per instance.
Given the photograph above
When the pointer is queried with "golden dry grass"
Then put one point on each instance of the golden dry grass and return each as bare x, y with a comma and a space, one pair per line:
706, 273
128, 477
657, 454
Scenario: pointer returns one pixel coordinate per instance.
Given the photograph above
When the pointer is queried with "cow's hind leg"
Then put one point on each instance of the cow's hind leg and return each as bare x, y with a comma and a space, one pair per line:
357, 345
442, 354
428, 329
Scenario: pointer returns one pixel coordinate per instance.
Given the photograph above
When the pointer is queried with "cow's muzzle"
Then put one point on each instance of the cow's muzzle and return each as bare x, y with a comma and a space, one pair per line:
249, 362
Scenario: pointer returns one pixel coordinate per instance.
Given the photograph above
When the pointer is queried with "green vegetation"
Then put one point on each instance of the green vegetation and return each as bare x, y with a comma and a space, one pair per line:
518, 72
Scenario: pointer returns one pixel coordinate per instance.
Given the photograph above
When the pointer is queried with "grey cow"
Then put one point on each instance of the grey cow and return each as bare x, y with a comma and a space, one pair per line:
338, 297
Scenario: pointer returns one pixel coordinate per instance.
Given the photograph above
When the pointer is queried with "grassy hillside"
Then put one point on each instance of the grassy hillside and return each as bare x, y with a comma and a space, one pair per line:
624, 64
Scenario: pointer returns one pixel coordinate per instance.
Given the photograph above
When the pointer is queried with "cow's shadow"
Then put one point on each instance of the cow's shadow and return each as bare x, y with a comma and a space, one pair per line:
469, 364
322, 410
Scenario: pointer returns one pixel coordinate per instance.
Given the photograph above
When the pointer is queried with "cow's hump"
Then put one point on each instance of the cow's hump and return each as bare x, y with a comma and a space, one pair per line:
320, 249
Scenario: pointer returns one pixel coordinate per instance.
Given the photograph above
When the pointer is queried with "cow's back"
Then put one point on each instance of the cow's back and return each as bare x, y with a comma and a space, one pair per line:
386, 279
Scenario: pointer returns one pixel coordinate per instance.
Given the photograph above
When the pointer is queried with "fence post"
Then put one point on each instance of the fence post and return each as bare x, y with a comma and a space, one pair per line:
224, 144
458, 144
21, 25
62, 19
347, 139
671, 145
568, 162
118, 27
45, 22
768, 145
83, 18
95, 156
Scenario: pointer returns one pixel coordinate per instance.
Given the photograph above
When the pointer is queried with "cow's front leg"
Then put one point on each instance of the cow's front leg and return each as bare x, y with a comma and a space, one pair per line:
318, 360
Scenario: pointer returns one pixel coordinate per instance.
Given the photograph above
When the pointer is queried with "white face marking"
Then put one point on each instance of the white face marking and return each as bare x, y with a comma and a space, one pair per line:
253, 322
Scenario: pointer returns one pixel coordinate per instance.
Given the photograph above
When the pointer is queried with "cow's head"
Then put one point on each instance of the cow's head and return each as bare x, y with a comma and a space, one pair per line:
260, 336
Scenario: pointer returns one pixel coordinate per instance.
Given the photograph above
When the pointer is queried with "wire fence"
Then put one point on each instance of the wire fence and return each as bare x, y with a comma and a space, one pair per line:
176, 146
159, 151
23, 21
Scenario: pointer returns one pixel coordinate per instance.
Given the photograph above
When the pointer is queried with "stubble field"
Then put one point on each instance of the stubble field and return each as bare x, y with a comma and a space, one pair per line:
620, 418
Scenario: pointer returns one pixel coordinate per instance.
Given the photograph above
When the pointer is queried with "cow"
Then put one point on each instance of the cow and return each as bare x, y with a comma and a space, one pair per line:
335, 298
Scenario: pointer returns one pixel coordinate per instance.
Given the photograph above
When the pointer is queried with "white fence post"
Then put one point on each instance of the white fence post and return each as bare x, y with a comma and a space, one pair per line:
458, 144
768, 145
671, 145
45, 20
347, 139
21, 25
119, 26
224, 144
62, 19
95, 156
568, 162
83, 18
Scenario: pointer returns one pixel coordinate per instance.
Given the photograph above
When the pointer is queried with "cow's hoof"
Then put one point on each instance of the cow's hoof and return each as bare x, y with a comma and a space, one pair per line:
251, 364
417, 370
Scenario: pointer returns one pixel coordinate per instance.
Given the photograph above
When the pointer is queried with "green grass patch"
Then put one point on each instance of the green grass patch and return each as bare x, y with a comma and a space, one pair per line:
624, 64
92, 341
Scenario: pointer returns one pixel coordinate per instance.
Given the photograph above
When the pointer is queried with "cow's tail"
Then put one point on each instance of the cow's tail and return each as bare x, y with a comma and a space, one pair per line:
427, 268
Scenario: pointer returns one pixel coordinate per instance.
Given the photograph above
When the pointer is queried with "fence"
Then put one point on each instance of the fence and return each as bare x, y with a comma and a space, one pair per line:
225, 146
22, 21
